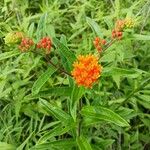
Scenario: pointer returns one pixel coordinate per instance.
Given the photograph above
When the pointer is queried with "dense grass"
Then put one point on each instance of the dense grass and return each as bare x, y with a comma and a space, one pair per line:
54, 113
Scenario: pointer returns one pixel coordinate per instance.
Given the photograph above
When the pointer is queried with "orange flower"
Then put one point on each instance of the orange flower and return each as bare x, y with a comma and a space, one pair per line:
98, 43
26, 44
86, 70
120, 24
45, 43
116, 34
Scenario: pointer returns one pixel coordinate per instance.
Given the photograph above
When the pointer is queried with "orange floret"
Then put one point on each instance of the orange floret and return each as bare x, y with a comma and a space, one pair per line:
86, 70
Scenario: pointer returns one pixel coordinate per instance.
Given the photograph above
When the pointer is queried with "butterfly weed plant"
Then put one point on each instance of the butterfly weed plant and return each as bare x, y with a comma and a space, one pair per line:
74, 77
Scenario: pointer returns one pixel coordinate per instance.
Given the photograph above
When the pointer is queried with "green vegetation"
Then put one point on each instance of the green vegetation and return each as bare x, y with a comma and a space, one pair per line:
42, 107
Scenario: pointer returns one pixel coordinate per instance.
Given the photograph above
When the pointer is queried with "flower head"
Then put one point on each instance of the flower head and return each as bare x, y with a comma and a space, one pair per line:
116, 34
86, 70
120, 24
98, 43
13, 37
129, 23
26, 44
45, 43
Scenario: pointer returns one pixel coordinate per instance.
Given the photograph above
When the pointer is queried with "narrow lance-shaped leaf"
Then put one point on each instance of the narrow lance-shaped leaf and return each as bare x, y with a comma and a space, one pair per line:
65, 54
83, 143
42, 79
67, 144
41, 29
95, 27
141, 37
52, 91
56, 112
101, 113
58, 130
76, 94
6, 146
9, 54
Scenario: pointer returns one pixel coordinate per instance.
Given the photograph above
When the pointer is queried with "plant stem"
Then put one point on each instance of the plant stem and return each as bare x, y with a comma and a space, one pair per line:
109, 44
79, 117
61, 70
47, 58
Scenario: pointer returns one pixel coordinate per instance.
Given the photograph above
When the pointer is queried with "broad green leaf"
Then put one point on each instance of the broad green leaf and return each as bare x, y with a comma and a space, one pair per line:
59, 144
95, 27
6, 146
102, 113
57, 131
42, 79
56, 112
83, 144
9, 54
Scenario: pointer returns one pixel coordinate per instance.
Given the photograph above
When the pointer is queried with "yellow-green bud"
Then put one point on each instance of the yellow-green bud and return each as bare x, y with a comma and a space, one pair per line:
13, 37
129, 23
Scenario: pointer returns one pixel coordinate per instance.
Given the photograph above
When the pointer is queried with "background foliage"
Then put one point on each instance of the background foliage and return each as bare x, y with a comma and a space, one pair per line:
39, 105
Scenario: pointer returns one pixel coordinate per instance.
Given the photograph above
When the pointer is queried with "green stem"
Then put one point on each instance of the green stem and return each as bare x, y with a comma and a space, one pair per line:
79, 118
47, 58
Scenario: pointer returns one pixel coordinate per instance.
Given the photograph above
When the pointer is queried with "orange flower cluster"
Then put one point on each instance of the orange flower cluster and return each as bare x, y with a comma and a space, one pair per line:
45, 43
86, 70
120, 24
116, 34
26, 44
98, 43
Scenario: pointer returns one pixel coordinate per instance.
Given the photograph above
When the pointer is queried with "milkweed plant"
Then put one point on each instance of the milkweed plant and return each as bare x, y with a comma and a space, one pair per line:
83, 73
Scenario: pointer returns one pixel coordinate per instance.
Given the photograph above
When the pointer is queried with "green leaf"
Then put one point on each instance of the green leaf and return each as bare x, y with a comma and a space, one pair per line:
66, 55
57, 131
76, 95
9, 54
95, 27
41, 29
56, 112
144, 100
5, 146
25, 142
103, 143
117, 8
31, 30
42, 79
50, 30
141, 37
114, 71
59, 144
83, 144
56, 91
102, 113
